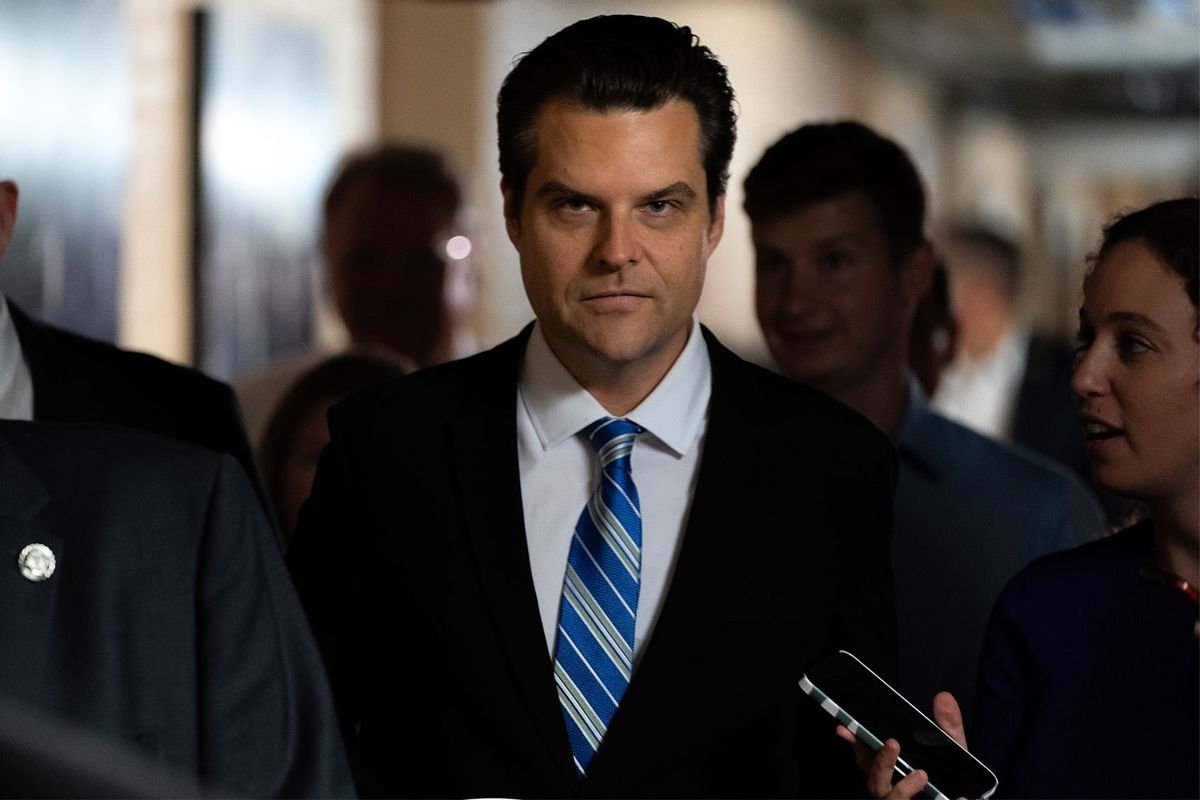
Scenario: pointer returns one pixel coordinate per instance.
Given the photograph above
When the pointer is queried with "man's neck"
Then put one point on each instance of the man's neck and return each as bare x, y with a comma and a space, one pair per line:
620, 387
979, 338
883, 399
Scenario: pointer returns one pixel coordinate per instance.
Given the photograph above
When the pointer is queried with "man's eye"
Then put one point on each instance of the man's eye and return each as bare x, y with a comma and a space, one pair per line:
658, 206
574, 204
768, 262
363, 262
837, 259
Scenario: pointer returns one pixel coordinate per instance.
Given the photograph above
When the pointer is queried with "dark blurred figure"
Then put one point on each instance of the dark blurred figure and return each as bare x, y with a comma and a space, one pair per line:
51, 375
934, 334
145, 598
297, 432
837, 215
1005, 381
389, 215
396, 265
43, 756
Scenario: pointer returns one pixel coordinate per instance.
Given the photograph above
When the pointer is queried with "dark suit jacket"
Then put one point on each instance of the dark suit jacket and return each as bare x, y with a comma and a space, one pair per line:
411, 560
42, 756
76, 379
169, 622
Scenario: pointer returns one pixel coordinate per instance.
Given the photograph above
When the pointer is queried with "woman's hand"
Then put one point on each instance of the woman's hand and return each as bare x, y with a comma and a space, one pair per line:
880, 766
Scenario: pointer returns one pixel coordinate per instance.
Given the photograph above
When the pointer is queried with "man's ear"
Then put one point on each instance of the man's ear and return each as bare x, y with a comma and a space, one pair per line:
8, 213
716, 226
512, 215
916, 275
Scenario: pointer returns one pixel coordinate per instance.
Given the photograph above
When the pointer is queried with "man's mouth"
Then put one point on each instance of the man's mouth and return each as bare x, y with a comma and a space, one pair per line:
804, 336
619, 302
602, 295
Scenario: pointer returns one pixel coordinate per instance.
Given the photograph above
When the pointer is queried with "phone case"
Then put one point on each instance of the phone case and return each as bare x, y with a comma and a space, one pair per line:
864, 735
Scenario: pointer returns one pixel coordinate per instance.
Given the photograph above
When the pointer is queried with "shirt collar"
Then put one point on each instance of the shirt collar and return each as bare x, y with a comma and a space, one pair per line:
16, 386
674, 412
1007, 354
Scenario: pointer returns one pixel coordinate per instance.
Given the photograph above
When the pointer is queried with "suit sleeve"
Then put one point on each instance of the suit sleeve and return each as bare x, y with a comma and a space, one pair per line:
330, 535
267, 722
228, 434
220, 428
868, 604
865, 605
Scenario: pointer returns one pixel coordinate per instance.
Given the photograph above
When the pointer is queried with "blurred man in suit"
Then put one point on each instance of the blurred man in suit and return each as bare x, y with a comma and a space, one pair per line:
145, 599
596, 560
396, 265
1005, 381
838, 220
52, 375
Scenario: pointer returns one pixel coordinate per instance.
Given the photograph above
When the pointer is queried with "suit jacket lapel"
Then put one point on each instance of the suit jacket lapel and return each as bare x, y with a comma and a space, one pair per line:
26, 625
484, 441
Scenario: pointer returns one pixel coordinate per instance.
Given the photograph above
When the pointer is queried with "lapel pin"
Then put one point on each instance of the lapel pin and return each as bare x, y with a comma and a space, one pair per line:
37, 562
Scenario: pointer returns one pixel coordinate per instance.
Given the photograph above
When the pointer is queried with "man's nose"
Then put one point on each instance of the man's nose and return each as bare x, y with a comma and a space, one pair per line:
618, 246
799, 291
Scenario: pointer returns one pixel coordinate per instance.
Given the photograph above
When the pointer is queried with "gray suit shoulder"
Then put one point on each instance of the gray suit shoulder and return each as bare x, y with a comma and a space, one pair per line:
1023, 477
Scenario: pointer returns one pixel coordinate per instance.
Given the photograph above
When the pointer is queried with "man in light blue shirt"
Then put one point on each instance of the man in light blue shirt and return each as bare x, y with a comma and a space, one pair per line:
597, 559
838, 216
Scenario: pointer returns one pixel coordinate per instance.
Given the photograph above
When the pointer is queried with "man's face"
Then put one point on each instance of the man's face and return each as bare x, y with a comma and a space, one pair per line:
8, 213
384, 254
614, 234
833, 305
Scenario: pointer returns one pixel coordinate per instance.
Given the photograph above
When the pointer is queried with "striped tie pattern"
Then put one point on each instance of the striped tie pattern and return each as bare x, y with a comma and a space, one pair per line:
594, 653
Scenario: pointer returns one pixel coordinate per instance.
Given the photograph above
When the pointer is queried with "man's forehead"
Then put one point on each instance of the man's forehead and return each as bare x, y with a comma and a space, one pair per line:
847, 215
655, 148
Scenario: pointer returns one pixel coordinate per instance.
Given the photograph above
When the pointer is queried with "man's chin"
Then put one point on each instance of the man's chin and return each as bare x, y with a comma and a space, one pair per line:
810, 372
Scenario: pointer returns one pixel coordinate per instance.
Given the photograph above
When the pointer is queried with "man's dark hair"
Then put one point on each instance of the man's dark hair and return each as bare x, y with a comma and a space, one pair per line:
616, 63
999, 253
816, 163
1171, 229
405, 169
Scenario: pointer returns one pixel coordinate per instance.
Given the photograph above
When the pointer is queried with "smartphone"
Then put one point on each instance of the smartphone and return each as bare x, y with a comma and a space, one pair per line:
873, 711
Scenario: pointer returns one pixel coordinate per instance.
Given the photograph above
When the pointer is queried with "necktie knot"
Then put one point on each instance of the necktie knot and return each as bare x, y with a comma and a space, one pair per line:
613, 440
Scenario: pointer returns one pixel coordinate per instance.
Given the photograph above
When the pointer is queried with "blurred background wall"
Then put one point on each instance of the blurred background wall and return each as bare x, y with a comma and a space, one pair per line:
1041, 118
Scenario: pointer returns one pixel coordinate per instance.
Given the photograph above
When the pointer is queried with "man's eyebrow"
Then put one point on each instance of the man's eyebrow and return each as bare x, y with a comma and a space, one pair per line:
678, 190
558, 189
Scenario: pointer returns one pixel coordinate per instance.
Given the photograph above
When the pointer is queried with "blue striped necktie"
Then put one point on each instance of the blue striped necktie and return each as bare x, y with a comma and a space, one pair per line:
594, 655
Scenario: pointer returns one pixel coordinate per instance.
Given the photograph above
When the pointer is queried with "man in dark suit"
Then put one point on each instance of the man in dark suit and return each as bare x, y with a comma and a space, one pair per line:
733, 530
51, 375
837, 217
1006, 381
145, 599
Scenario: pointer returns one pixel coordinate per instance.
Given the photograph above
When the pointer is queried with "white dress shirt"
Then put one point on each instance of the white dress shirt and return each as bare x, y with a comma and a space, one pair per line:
982, 393
16, 385
559, 469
